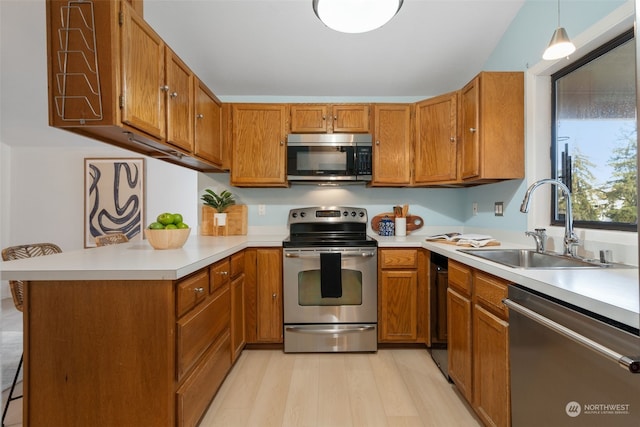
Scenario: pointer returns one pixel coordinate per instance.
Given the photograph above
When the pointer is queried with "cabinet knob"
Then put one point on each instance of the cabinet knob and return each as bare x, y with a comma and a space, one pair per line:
274, 296
472, 130
324, 117
281, 142
173, 94
377, 142
164, 88
222, 273
452, 139
198, 290
199, 116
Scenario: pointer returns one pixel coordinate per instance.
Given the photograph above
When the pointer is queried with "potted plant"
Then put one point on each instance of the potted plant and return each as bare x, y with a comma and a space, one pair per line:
220, 203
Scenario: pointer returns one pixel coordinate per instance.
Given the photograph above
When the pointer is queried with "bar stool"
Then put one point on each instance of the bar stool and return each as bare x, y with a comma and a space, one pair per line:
111, 239
17, 292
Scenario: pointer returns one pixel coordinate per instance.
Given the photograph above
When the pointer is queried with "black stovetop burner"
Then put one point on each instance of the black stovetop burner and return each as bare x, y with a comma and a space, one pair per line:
328, 226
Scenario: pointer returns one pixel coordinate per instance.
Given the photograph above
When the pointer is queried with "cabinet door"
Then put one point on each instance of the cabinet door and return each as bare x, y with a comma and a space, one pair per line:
470, 148
436, 140
460, 346
237, 317
208, 125
259, 151
143, 103
392, 144
398, 309
269, 295
309, 118
491, 381
350, 118
179, 83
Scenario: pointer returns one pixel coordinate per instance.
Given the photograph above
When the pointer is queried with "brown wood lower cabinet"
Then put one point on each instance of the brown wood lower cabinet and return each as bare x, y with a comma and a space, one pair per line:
479, 342
263, 299
124, 352
401, 295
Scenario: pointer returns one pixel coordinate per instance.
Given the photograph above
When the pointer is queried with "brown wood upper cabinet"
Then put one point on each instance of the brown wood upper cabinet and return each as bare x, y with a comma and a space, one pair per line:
329, 118
391, 144
492, 110
435, 159
208, 141
140, 95
258, 156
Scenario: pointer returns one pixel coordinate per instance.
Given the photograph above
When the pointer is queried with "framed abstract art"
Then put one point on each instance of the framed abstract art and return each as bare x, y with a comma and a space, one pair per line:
113, 198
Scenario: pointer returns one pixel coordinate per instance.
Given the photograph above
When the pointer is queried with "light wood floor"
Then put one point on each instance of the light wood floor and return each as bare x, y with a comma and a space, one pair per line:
400, 387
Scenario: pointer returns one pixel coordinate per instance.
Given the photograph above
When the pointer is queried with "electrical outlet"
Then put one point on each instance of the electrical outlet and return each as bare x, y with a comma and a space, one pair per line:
262, 210
474, 208
498, 209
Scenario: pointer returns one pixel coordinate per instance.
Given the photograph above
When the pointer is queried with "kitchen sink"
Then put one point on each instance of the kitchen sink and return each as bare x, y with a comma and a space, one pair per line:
529, 258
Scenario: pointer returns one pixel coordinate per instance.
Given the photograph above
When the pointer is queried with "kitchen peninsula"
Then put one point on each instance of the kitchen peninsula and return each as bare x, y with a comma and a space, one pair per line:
116, 335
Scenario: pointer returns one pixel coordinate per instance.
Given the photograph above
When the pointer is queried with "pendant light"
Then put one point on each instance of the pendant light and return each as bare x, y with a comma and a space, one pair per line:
356, 16
560, 45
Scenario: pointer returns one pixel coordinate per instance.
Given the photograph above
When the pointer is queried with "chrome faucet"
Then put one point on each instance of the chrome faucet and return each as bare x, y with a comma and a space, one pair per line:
571, 241
540, 236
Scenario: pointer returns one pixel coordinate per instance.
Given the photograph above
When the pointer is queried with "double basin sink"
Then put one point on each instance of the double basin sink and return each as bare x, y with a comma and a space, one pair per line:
529, 258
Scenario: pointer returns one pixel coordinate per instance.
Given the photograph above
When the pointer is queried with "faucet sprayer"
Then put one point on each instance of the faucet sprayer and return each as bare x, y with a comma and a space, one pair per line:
570, 238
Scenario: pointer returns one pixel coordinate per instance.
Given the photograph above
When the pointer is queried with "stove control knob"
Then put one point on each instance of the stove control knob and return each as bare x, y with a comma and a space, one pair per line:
361, 214
303, 214
345, 213
295, 215
353, 213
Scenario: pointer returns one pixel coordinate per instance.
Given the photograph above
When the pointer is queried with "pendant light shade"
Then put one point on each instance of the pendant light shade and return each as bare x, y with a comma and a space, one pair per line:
560, 45
356, 16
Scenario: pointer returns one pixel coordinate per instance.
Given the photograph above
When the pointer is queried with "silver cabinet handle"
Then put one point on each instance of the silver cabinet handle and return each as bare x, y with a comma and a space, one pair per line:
274, 296
198, 290
626, 362
472, 130
173, 94
452, 139
377, 142
281, 142
164, 88
199, 116
222, 273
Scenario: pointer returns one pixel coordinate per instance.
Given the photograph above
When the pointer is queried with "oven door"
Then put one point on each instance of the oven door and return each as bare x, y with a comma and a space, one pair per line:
310, 296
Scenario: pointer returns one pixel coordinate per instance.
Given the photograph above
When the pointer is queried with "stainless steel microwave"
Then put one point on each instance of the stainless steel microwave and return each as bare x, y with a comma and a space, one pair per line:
329, 157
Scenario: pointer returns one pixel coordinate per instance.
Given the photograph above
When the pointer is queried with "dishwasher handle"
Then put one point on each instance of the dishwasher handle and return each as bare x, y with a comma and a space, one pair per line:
626, 362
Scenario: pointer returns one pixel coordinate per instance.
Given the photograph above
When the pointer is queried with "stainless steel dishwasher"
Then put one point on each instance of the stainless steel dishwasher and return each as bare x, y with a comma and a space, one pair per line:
570, 367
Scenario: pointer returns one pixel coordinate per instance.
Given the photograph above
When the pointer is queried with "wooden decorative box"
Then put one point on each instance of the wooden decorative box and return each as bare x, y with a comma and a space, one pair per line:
236, 221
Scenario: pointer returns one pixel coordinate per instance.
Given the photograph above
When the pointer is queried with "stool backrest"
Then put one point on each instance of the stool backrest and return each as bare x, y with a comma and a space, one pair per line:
25, 251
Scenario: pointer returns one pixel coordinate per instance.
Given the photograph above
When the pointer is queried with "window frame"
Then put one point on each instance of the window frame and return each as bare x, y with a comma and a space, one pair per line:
558, 220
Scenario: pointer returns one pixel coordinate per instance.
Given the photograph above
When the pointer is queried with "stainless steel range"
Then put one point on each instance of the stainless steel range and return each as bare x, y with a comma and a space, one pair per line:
330, 281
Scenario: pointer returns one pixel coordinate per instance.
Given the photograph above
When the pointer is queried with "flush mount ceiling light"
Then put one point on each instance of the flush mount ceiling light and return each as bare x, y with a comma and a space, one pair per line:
356, 16
560, 45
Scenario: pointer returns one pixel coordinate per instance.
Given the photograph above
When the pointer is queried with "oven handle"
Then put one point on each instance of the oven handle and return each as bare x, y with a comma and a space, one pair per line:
323, 330
315, 254
626, 362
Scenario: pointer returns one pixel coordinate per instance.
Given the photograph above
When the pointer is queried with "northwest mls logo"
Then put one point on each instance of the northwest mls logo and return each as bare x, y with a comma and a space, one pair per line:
573, 409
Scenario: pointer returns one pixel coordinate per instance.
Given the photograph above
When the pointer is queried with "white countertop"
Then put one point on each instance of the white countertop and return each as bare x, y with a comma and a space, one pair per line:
612, 293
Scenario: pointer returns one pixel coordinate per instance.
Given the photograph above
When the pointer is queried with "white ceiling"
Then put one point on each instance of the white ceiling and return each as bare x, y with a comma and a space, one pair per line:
264, 48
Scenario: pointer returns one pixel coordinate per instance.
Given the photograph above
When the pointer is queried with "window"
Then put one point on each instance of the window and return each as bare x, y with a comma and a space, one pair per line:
594, 142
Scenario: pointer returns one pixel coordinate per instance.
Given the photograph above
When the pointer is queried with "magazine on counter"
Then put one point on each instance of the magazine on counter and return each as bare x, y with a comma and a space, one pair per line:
475, 240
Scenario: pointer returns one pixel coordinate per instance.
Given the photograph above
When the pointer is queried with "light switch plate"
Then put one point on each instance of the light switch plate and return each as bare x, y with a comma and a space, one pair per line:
498, 209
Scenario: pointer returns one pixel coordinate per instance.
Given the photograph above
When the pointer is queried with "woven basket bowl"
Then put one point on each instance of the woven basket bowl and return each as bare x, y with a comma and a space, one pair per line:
167, 239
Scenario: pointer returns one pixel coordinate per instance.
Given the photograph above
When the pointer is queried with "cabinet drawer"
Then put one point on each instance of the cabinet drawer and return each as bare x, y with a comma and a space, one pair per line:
460, 277
398, 258
197, 331
237, 264
219, 274
197, 391
191, 291
489, 292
